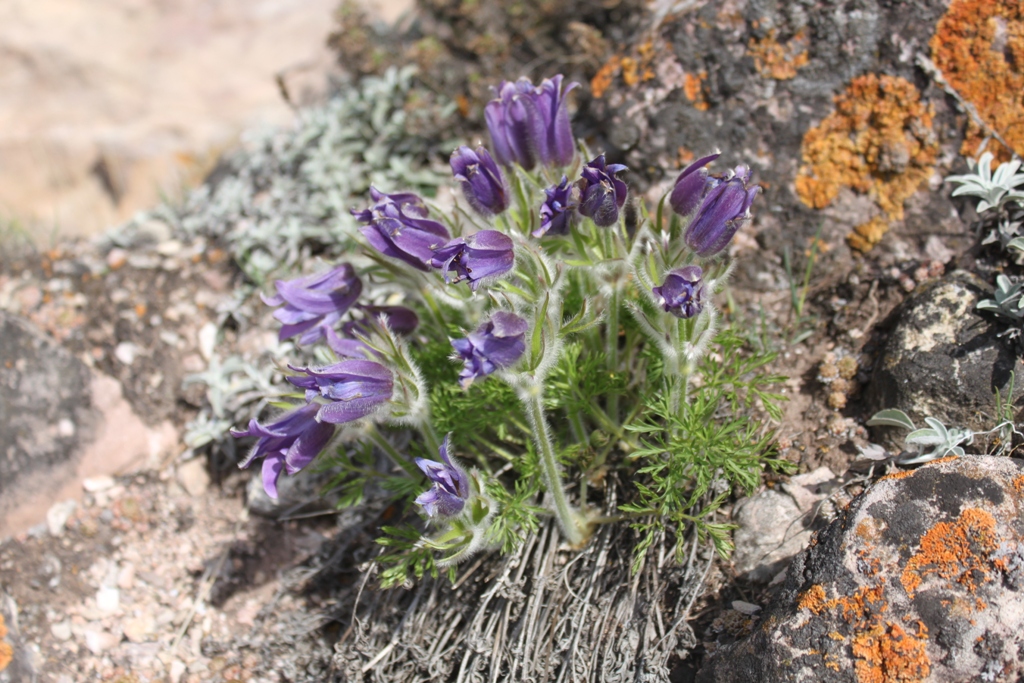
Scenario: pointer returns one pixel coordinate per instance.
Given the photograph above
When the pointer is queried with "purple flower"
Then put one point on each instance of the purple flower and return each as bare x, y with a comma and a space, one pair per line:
401, 320
451, 485
353, 389
529, 124
310, 304
482, 255
602, 195
558, 212
496, 344
682, 295
691, 186
725, 208
289, 443
482, 183
397, 226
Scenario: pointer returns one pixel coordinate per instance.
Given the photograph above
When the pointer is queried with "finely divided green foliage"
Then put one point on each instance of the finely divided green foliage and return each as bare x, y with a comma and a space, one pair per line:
691, 462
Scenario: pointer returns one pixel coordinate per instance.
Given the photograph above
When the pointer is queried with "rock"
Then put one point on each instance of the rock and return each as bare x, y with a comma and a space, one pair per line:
920, 578
108, 599
116, 258
193, 477
60, 424
138, 628
61, 630
58, 515
126, 352
771, 530
98, 642
944, 359
97, 484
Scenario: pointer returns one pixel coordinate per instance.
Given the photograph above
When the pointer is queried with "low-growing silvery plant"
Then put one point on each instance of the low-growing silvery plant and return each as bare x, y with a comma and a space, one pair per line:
548, 334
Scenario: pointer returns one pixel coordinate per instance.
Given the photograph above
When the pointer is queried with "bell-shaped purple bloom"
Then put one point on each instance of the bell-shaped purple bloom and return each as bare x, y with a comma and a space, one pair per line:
529, 124
353, 389
691, 186
725, 208
397, 226
314, 302
496, 344
451, 485
400, 320
289, 443
602, 195
558, 212
482, 183
682, 295
482, 255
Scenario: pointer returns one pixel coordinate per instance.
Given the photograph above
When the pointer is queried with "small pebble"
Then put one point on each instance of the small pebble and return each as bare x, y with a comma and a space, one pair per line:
116, 258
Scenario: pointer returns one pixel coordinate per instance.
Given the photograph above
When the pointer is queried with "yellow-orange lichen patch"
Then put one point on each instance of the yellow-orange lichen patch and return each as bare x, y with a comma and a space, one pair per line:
867, 235
1018, 484
958, 551
897, 475
693, 88
888, 653
6, 651
814, 599
979, 46
878, 141
604, 77
780, 61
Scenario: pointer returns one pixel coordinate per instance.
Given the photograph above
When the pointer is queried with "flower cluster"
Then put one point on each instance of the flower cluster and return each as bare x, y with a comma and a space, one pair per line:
536, 272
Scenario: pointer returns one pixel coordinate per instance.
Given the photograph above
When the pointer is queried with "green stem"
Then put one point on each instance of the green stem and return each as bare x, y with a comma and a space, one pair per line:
532, 400
382, 443
612, 348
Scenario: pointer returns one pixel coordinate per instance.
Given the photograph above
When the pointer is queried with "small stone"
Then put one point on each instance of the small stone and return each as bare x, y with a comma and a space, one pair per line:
126, 352
177, 670
108, 599
99, 642
95, 484
58, 515
193, 477
65, 428
116, 258
138, 628
126, 577
61, 630
168, 247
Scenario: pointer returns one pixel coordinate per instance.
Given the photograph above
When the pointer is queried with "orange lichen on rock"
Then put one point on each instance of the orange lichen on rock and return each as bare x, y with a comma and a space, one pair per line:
814, 599
604, 77
957, 551
897, 475
1018, 484
693, 88
779, 60
888, 653
6, 651
979, 47
867, 235
878, 141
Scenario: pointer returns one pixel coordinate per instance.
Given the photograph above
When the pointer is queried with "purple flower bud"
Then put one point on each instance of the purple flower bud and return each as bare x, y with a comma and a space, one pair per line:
353, 389
682, 295
288, 443
397, 226
451, 485
691, 186
559, 144
482, 255
725, 208
529, 124
558, 212
311, 303
496, 344
482, 183
602, 195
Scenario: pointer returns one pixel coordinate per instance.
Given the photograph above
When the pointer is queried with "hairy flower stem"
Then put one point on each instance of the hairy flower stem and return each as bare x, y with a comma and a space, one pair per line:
531, 397
612, 347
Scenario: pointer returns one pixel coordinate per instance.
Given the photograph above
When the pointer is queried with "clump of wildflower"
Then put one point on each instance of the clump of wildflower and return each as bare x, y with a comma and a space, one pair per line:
481, 256
602, 195
451, 486
289, 443
312, 303
682, 295
496, 344
483, 184
397, 226
353, 389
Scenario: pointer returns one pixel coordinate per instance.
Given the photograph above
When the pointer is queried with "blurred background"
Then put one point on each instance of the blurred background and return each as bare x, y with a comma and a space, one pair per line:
108, 107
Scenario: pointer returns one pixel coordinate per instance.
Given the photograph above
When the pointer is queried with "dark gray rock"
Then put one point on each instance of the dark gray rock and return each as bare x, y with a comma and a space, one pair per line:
45, 404
921, 578
944, 359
